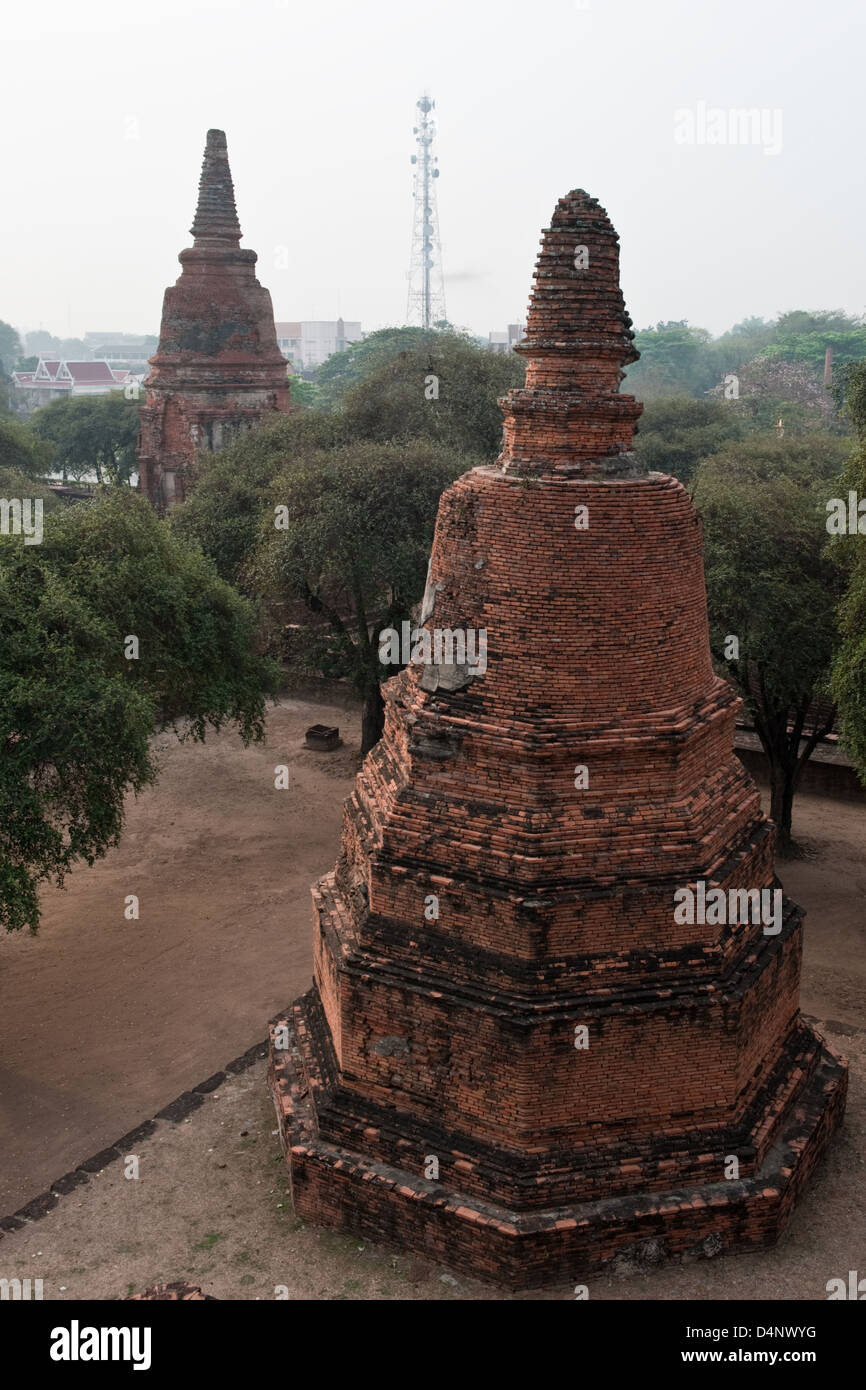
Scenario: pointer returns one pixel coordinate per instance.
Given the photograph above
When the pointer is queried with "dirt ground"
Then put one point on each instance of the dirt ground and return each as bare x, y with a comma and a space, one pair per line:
105, 1021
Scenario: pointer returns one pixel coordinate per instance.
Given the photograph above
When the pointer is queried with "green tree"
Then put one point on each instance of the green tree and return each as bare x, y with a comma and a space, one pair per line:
675, 432
774, 584
849, 392
675, 360
21, 450
74, 350
77, 709
223, 512
346, 369
41, 343
10, 348
442, 387
353, 550
848, 681
305, 394
22, 485
803, 336
744, 341
393, 401
91, 434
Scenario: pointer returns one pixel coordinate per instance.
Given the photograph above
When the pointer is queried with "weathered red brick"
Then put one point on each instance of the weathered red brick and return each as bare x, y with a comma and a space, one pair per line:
218, 368
454, 1037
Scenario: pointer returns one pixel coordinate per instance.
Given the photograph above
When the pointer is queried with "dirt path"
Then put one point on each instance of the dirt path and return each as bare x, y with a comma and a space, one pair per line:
103, 1021
831, 884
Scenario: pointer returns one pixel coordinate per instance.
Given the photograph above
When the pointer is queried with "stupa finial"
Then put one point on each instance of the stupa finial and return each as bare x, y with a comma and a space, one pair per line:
216, 218
578, 341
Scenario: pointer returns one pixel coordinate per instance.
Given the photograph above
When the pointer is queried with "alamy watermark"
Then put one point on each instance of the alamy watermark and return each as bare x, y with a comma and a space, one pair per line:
846, 521
715, 907
20, 1290
734, 125
441, 647
77, 1343
22, 516
854, 1289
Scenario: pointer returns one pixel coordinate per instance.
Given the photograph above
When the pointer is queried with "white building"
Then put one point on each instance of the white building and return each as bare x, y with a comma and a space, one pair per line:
308, 343
497, 341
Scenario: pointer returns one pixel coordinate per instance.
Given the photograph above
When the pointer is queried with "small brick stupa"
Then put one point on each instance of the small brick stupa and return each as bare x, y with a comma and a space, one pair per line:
514, 1057
218, 367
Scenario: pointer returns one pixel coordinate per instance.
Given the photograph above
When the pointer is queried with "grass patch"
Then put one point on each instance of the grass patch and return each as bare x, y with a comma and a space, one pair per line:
210, 1240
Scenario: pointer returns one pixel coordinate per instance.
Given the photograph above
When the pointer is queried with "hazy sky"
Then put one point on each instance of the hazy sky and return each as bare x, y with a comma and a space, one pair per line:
104, 111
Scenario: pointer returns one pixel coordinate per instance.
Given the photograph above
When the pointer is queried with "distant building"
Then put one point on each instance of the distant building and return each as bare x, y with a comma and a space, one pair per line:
127, 340
308, 343
56, 378
128, 350
497, 341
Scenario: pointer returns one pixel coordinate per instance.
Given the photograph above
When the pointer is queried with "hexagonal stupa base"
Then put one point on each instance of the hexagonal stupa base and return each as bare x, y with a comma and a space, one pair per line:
340, 1188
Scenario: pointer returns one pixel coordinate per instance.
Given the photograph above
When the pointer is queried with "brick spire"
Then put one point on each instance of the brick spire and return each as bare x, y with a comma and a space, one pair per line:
570, 415
216, 218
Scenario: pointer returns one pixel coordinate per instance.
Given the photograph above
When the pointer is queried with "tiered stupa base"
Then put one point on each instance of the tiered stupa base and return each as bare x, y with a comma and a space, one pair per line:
344, 1188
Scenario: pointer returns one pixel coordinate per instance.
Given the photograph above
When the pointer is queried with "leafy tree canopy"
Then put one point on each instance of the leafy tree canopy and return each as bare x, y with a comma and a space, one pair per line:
223, 512
679, 359
41, 343
848, 680
22, 450
393, 401
77, 712
22, 485
10, 348
774, 583
675, 359
443, 387
343, 370
353, 549
675, 432
91, 434
305, 395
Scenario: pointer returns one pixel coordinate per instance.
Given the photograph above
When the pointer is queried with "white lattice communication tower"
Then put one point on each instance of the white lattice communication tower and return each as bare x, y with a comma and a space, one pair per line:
426, 304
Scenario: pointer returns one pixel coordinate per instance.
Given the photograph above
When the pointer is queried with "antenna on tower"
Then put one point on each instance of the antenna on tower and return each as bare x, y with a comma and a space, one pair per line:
426, 305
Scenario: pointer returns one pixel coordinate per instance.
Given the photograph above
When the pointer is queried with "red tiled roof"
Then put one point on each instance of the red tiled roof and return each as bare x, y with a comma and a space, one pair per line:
90, 371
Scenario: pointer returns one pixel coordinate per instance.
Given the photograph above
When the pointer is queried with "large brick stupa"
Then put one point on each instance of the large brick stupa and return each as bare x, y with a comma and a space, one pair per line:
516, 1056
218, 368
